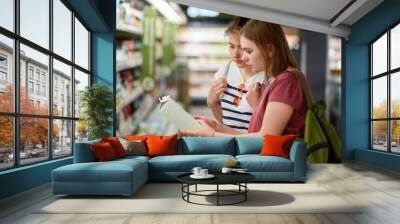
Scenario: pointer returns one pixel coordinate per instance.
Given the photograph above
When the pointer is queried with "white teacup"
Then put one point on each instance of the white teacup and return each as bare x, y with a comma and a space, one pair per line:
196, 171
226, 170
203, 172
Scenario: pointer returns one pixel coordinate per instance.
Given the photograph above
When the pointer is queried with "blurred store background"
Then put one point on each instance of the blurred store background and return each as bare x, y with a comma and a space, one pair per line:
168, 49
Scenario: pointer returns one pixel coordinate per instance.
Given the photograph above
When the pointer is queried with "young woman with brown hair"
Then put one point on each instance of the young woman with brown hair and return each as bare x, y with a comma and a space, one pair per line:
232, 82
281, 107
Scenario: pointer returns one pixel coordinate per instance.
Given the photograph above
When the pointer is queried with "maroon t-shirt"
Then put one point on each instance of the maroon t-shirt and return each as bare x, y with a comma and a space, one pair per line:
285, 89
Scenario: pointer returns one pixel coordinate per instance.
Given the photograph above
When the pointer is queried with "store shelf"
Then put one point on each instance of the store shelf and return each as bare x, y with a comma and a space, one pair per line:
130, 125
127, 65
128, 31
201, 41
205, 68
203, 55
156, 124
141, 118
132, 61
190, 34
130, 97
134, 103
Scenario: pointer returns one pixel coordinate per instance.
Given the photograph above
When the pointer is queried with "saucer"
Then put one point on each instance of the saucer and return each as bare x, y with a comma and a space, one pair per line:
208, 176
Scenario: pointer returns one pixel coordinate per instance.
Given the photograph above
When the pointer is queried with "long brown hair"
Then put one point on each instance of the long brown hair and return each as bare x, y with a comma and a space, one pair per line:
235, 25
269, 37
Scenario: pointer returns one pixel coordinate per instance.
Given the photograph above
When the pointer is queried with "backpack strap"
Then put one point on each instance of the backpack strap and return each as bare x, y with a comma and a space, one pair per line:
306, 91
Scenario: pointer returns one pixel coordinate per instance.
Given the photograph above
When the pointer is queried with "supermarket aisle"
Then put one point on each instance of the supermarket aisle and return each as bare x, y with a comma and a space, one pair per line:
184, 56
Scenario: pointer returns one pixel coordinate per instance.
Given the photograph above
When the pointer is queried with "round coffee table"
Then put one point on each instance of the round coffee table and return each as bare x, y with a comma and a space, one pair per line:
238, 179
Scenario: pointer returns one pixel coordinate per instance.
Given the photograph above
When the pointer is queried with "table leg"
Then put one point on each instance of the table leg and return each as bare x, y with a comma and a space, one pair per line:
196, 188
245, 193
182, 189
188, 189
217, 194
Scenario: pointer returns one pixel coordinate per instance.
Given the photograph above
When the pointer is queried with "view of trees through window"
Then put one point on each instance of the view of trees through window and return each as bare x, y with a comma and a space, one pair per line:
39, 112
385, 92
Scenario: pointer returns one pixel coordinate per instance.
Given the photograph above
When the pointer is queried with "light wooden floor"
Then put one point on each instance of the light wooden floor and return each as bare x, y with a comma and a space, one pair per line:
378, 188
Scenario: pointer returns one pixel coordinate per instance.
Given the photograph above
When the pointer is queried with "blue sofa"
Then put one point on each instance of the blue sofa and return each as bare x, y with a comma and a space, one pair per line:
125, 176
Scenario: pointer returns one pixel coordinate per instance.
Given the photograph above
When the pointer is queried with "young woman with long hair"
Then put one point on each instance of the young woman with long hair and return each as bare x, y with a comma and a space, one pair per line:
281, 107
232, 82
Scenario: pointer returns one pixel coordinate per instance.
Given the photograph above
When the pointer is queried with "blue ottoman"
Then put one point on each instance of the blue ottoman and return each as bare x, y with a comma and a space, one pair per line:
118, 177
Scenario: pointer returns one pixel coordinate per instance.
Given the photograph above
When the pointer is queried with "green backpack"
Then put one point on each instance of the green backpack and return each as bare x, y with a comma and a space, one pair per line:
323, 143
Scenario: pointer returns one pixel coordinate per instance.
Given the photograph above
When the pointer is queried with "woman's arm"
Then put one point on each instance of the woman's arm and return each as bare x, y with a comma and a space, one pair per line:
253, 96
217, 88
228, 130
276, 117
217, 112
217, 126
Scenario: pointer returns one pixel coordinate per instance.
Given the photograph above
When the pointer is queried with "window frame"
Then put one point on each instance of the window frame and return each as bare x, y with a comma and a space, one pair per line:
388, 74
16, 114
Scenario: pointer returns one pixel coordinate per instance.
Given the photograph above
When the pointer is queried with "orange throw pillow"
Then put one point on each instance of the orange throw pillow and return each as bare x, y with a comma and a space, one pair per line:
277, 145
116, 145
103, 152
161, 145
136, 137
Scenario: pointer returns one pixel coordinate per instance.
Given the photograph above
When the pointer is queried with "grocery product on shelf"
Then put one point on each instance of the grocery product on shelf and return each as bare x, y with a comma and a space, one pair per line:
140, 78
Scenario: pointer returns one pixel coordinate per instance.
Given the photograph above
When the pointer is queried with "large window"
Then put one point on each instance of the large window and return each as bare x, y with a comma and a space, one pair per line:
44, 64
385, 92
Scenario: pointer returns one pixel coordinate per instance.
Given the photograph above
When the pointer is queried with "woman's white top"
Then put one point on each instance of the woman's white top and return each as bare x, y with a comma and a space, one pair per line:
236, 111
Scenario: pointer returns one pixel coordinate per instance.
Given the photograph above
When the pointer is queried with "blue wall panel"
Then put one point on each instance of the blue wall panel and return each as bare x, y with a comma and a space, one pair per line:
356, 99
103, 54
24, 178
103, 65
377, 158
356, 84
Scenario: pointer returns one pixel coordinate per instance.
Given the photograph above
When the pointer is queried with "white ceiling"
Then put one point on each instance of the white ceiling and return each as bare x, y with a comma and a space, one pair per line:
321, 9
314, 15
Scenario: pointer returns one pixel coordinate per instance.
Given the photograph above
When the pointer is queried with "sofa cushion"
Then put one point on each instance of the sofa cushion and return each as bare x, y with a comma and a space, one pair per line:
83, 152
249, 145
161, 145
135, 137
206, 145
277, 145
112, 171
131, 158
103, 152
134, 147
257, 163
185, 163
116, 145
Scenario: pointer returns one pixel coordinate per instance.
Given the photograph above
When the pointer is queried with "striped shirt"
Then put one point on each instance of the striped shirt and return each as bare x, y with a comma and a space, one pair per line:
236, 111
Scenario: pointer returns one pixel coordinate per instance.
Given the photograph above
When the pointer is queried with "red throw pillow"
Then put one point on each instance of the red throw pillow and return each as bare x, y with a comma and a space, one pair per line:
161, 145
103, 152
116, 145
136, 137
277, 145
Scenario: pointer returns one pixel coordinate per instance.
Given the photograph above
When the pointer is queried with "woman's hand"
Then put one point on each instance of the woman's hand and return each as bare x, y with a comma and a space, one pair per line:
217, 88
253, 95
205, 131
210, 122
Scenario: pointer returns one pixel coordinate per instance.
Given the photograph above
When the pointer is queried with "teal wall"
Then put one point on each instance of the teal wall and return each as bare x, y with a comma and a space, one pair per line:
355, 85
99, 16
103, 54
24, 178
